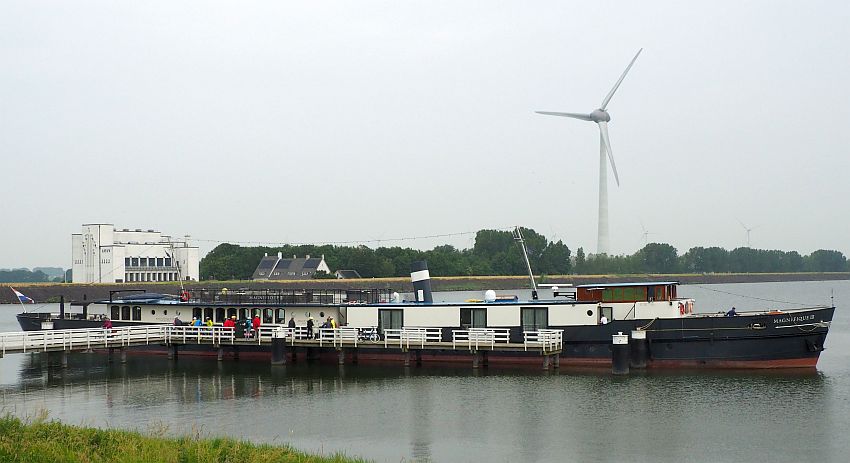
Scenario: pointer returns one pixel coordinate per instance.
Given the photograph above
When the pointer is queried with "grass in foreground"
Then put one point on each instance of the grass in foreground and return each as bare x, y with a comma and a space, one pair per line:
39, 440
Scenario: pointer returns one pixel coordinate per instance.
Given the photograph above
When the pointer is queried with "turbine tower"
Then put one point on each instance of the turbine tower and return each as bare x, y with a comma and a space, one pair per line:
601, 117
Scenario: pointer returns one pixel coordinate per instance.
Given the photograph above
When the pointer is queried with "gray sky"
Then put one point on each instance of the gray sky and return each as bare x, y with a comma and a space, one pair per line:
344, 121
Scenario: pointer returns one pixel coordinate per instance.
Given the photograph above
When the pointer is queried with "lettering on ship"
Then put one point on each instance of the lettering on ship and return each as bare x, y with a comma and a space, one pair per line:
793, 319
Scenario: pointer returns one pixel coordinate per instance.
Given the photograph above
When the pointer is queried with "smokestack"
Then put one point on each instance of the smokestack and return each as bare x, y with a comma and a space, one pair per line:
421, 280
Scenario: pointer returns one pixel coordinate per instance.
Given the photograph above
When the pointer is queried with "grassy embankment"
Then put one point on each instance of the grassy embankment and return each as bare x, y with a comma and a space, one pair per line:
50, 292
39, 440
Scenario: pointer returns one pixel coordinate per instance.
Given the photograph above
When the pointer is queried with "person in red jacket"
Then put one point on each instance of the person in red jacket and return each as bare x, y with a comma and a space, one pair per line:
230, 323
255, 325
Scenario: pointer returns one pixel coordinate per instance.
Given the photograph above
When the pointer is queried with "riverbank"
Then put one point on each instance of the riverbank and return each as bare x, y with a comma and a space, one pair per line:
52, 441
50, 292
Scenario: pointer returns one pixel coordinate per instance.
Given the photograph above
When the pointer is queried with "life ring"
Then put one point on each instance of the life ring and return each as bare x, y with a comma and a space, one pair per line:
184, 296
681, 309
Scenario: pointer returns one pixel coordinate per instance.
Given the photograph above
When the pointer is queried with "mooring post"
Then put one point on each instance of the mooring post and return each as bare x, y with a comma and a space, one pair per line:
64, 359
172, 352
407, 358
476, 360
123, 355
341, 356
557, 359
620, 354
278, 351
220, 356
545, 361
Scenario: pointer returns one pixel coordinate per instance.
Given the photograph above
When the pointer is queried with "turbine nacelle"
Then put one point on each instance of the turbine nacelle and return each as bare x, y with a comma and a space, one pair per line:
600, 115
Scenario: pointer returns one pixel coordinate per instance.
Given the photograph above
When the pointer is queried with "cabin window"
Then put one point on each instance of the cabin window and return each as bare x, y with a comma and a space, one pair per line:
534, 318
197, 312
390, 319
115, 312
268, 315
281, 316
208, 313
243, 313
125, 312
231, 312
219, 314
473, 318
137, 313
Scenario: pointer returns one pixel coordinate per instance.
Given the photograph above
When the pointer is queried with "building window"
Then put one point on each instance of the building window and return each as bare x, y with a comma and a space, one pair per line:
159, 261
168, 262
126, 261
135, 261
143, 261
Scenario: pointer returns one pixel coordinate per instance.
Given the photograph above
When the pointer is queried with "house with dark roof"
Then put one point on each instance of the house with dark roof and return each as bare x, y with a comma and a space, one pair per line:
295, 268
347, 274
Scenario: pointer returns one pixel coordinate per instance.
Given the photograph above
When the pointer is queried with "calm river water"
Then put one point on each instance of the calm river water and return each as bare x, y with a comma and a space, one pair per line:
394, 414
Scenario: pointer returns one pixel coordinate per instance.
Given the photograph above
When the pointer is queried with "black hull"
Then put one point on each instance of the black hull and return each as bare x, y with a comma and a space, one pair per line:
779, 340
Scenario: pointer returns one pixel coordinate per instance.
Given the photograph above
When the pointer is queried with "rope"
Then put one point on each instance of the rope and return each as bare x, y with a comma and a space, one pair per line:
749, 297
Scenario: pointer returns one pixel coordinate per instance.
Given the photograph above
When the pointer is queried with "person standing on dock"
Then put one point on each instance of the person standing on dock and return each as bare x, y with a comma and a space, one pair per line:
255, 324
291, 321
107, 324
230, 322
310, 325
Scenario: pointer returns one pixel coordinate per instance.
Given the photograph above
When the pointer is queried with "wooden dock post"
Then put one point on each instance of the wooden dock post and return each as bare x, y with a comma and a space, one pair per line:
220, 356
341, 356
123, 355
545, 361
476, 360
64, 359
557, 359
172, 352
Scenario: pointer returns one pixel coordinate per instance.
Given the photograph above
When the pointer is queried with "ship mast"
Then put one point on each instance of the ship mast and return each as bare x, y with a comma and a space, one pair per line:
518, 237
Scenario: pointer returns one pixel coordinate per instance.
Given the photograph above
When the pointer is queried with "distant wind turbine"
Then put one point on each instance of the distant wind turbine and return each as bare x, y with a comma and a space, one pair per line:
748, 229
601, 117
645, 234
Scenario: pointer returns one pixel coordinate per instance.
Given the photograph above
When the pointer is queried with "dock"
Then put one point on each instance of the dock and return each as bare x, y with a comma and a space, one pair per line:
282, 342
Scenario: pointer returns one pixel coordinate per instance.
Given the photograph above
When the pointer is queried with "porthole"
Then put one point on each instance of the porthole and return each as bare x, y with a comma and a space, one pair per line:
165, 312
589, 313
153, 312
322, 314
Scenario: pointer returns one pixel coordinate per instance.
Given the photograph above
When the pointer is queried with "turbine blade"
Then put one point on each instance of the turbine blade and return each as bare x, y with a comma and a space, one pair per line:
584, 117
617, 85
603, 130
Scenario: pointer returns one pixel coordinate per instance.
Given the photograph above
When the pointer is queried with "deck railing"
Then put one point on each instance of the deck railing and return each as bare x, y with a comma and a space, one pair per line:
479, 337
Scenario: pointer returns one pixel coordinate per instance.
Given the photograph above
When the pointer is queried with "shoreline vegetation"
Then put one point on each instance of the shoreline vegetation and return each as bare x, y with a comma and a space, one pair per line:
39, 440
50, 292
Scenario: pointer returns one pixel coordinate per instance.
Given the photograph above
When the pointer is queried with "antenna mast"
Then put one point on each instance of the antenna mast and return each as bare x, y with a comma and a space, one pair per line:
518, 237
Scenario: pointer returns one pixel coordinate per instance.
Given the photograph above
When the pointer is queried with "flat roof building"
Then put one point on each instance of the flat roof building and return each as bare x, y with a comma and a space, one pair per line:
102, 254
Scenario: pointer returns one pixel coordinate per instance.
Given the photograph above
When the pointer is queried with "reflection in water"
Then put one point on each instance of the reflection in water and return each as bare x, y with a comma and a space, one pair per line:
391, 413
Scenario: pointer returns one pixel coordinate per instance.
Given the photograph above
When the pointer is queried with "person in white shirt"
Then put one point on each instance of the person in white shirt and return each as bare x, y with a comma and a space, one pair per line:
603, 320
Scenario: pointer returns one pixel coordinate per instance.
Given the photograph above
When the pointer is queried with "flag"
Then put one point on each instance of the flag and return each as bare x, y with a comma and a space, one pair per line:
21, 297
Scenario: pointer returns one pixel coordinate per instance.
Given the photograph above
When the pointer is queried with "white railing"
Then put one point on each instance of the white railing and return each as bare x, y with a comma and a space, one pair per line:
546, 339
199, 334
31, 341
410, 335
477, 337
338, 336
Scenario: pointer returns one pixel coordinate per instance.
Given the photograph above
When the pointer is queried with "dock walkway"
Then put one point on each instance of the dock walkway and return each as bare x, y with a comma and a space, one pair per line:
476, 341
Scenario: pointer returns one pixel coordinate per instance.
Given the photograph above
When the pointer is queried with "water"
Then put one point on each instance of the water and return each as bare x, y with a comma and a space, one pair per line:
389, 413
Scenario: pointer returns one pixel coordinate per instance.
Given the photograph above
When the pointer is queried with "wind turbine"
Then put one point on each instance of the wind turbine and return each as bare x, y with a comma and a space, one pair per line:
645, 234
601, 117
748, 229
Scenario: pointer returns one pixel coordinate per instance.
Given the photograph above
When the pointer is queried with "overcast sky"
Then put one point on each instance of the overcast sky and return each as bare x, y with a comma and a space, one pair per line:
345, 121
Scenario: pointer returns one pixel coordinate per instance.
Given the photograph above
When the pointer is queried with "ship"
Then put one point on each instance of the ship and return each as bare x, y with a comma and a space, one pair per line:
675, 334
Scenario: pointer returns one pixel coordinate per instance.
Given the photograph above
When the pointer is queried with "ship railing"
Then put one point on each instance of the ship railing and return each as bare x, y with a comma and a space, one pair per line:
199, 334
338, 336
86, 338
546, 339
477, 337
412, 335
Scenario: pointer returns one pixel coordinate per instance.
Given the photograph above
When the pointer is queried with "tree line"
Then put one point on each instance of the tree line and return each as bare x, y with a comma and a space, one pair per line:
496, 252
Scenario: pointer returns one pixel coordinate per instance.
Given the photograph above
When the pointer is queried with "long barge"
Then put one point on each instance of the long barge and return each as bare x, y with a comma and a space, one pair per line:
589, 315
